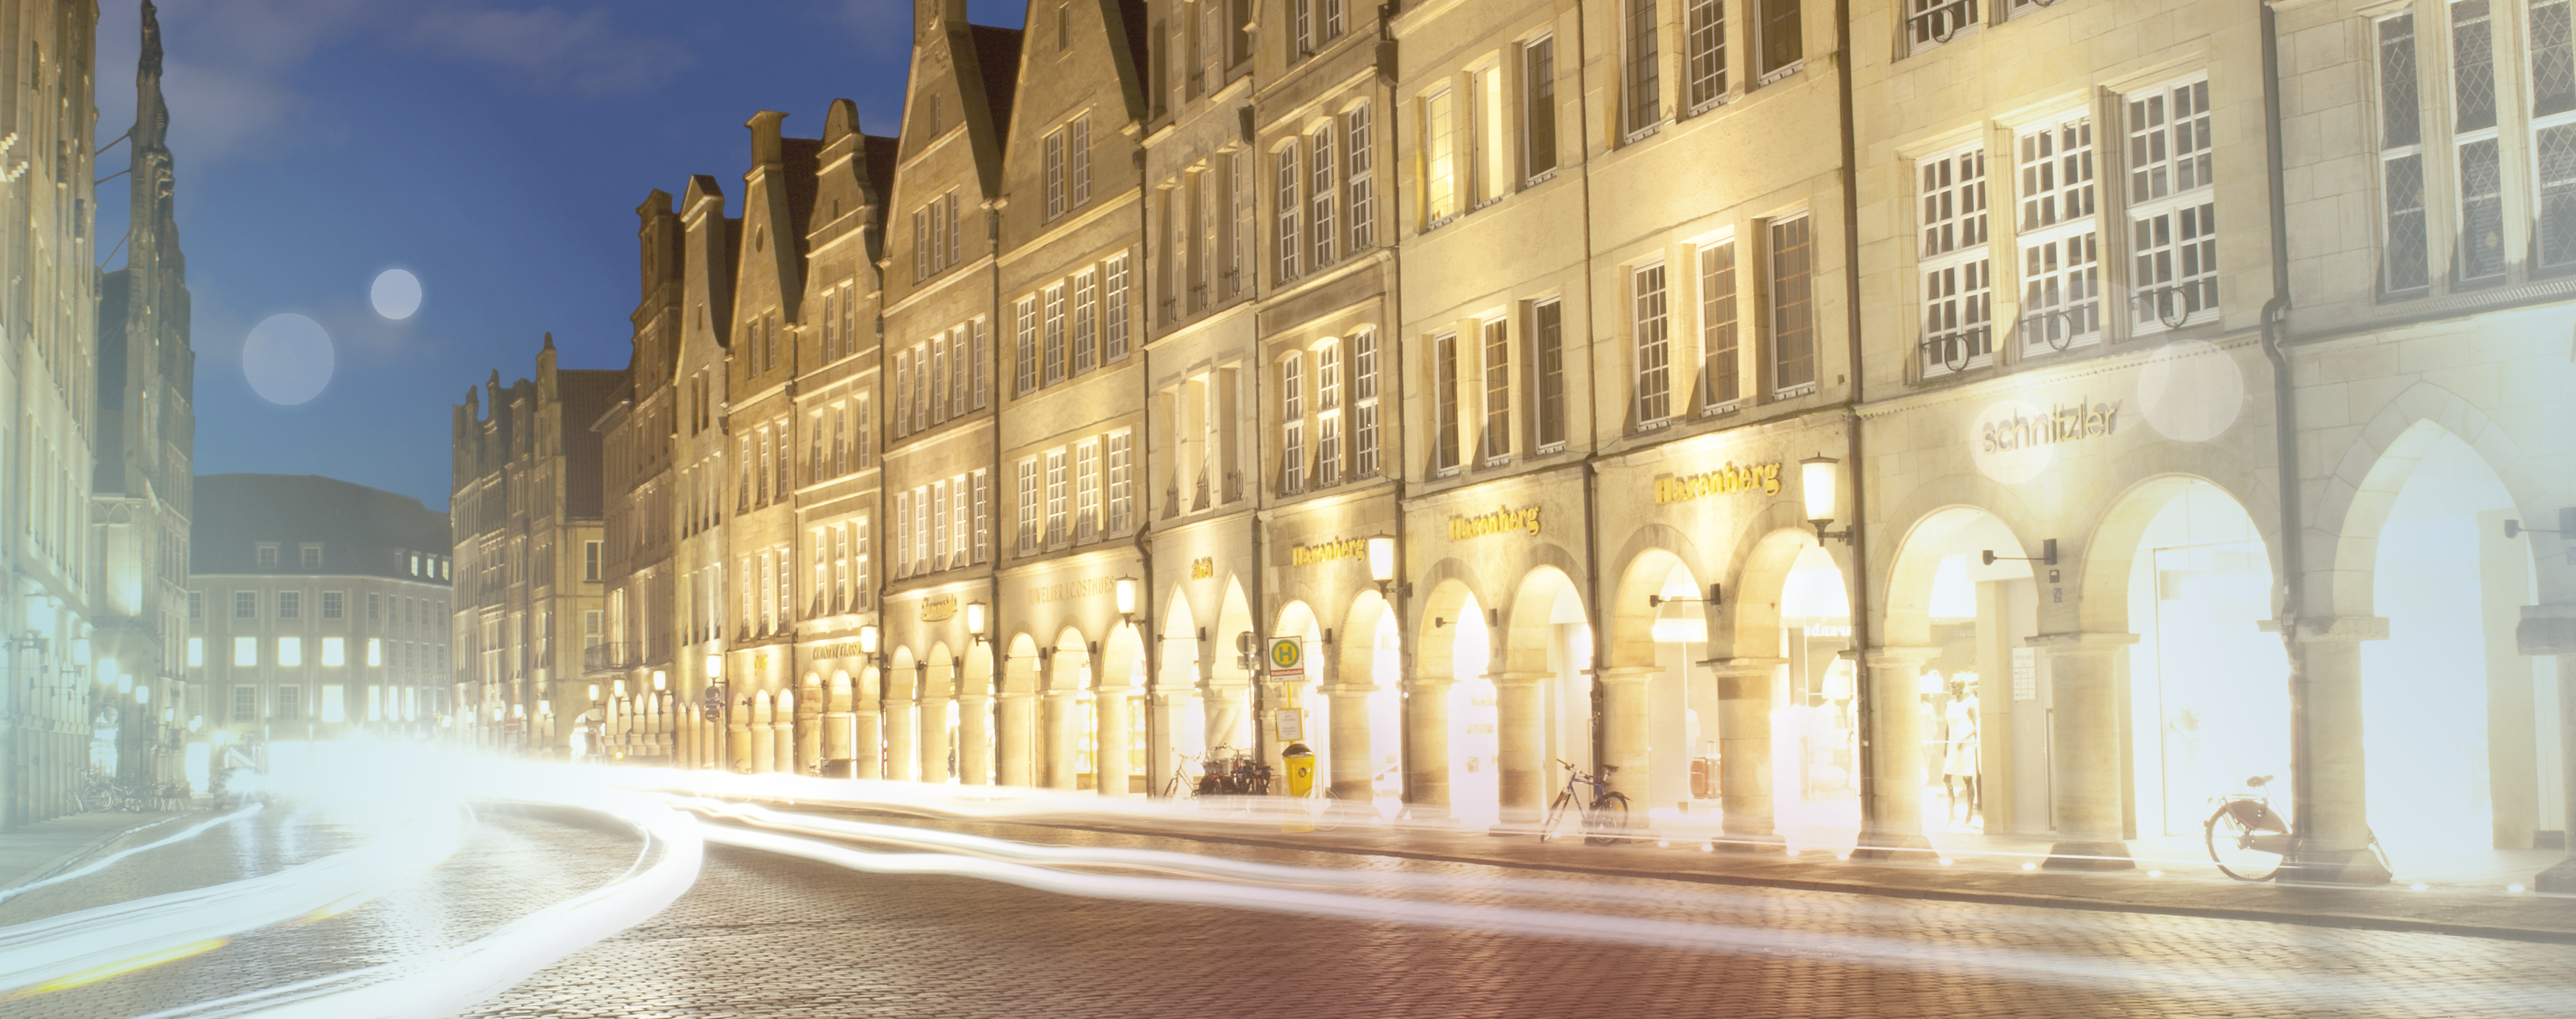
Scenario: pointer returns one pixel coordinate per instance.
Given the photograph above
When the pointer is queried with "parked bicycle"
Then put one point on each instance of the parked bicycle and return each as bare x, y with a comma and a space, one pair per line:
2248, 839
1602, 815
1238, 773
1174, 788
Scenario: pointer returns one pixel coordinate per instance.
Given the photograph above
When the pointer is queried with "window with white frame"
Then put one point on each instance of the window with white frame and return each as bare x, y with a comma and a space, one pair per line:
1642, 83
1320, 192
1114, 310
862, 582
2059, 238
2553, 125
839, 536
982, 510
921, 529
1721, 383
1057, 503
1547, 375
900, 554
1538, 108
2173, 232
1328, 413
940, 528
1286, 205
1054, 334
1362, 198
1121, 482
1028, 507
2481, 170
1364, 404
1292, 423
1956, 266
2404, 262
1444, 403
942, 378
1497, 436
1086, 491
979, 358
1793, 316
1930, 23
1704, 63
1025, 347
1653, 349
1491, 159
1440, 158
1086, 319
822, 573
1055, 173
962, 519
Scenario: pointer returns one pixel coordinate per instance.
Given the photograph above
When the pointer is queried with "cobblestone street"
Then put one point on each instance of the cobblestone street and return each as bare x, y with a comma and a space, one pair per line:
763, 934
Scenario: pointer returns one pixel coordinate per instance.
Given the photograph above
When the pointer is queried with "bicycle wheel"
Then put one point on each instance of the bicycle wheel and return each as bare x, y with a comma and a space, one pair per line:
1556, 814
1325, 814
2231, 847
1606, 824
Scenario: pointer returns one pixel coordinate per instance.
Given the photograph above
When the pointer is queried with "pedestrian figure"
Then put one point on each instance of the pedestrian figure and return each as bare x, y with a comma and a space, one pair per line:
1959, 766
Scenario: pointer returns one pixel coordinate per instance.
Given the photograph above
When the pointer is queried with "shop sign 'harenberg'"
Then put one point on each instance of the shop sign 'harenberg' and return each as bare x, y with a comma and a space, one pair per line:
1501, 521
1727, 480
1346, 548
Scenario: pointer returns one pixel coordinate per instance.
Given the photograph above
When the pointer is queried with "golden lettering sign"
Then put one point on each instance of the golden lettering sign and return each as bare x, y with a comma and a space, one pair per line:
938, 607
1501, 521
1727, 480
1202, 568
1325, 552
2062, 423
1076, 589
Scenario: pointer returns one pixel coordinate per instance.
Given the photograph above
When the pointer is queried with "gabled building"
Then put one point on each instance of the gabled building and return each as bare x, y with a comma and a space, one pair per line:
710, 487
1071, 694
839, 503
940, 314
637, 636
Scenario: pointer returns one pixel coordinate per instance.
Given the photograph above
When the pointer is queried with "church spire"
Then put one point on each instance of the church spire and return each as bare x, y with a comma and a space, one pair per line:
152, 115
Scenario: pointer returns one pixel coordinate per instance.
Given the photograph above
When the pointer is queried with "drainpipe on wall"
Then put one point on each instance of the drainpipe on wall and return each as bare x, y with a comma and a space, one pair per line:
2285, 453
1592, 615
1859, 474
1401, 602
1147, 643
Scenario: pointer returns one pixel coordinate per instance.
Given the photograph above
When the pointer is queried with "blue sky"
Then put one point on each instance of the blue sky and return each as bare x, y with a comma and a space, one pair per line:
496, 149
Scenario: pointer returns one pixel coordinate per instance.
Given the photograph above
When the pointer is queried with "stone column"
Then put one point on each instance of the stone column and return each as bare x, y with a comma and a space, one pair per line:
1891, 818
1354, 757
738, 736
1018, 727
867, 740
934, 739
837, 741
809, 729
2085, 761
2550, 630
2332, 822
764, 735
1059, 740
1163, 758
789, 718
1111, 769
974, 747
1744, 778
900, 765
1625, 734
1426, 766
1229, 716
1520, 742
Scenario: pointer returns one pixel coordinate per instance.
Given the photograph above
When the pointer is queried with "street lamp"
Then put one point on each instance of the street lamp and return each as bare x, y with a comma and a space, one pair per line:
1127, 600
661, 680
1818, 476
1381, 562
868, 640
975, 620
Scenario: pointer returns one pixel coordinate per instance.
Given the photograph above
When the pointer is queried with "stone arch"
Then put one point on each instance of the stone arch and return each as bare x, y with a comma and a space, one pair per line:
1355, 641
2102, 563
2355, 502
901, 675
1233, 618
1747, 620
1020, 665
1071, 653
1905, 600
1529, 619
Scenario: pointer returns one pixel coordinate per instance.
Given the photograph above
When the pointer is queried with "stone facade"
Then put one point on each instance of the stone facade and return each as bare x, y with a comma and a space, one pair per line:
1830, 423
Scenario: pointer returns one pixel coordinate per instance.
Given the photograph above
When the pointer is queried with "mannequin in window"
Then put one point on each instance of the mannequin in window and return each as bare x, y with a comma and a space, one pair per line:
1959, 724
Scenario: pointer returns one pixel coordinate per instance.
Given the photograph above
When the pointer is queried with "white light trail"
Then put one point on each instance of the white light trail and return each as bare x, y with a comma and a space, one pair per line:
1291, 890
102, 863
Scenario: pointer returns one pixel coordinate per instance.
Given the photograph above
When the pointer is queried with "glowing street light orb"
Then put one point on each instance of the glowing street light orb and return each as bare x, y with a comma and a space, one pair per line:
288, 359
396, 294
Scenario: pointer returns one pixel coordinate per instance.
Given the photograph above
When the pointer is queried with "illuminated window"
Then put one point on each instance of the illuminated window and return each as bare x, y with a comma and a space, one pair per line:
334, 652
375, 653
1653, 348
245, 651
196, 652
290, 651
1956, 265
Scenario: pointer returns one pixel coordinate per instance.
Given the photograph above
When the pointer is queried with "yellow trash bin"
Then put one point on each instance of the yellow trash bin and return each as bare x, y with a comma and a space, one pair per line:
1300, 762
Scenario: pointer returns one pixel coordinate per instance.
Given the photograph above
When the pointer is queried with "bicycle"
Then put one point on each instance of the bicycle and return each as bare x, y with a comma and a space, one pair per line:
1603, 818
1173, 788
2248, 839
1239, 774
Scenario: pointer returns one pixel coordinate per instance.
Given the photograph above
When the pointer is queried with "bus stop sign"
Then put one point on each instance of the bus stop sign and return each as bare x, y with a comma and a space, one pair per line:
1287, 658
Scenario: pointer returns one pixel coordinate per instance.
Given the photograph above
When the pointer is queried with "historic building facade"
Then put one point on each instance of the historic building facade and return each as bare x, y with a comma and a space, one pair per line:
526, 511
317, 614
97, 431
1830, 422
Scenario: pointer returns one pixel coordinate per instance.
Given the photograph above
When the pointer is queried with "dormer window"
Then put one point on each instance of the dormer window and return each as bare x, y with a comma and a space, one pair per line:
309, 556
265, 555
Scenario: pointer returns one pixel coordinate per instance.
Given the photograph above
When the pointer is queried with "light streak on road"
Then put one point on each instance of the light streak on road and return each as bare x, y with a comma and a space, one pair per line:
110, 860
448, 981
144, 932
1243, 885
115, 969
